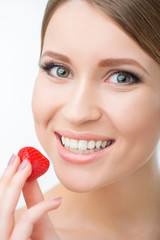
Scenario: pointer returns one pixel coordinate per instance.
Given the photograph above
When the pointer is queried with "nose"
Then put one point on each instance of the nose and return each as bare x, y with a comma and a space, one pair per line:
82, 105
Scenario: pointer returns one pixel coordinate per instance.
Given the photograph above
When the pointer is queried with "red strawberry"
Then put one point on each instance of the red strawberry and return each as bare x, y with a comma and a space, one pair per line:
40, 163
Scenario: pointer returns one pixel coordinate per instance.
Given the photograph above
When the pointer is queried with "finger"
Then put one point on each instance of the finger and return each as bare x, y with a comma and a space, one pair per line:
9, 173
32, 193
24, 227
17, 182
10, 198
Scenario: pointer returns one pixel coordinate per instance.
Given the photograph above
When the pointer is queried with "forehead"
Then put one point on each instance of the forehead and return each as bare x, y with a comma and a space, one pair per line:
79, 29
78, 22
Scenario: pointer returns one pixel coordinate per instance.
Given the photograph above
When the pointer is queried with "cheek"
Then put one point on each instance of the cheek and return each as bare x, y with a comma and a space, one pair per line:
136, 113
45, 101
135, 117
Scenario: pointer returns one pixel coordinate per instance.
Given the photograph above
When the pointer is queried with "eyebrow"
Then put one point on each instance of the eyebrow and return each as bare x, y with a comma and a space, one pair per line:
120, 61
57, 56
109, 62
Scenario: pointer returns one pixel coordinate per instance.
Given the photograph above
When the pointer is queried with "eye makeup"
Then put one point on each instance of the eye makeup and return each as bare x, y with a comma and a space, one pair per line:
47, 66
136, 78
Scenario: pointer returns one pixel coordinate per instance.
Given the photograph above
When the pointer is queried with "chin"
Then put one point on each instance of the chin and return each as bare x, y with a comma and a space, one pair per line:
82, 185
77, 185
77, 188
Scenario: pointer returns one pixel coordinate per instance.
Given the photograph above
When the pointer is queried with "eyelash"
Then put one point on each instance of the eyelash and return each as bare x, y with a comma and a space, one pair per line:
49, 65
135, 76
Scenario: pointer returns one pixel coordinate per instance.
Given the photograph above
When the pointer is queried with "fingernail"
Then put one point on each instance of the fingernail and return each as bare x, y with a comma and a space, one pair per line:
23, 164
57, 199
11, 160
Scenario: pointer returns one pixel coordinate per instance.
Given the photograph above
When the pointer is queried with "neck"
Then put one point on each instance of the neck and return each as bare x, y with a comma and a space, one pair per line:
132, 201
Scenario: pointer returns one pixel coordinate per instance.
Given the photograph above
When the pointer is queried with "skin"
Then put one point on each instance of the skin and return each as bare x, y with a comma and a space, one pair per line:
25, 226
118, 195
88, 102
120, 191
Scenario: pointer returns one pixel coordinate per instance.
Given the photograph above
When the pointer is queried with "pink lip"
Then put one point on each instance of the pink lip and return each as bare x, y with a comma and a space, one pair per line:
77, 157
84, 136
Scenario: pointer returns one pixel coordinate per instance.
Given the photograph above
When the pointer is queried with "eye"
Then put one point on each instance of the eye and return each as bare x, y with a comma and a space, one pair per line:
56, 70
60, 71
124, 78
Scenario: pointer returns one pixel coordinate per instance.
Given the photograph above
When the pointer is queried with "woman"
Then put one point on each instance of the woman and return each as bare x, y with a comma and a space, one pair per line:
96, 106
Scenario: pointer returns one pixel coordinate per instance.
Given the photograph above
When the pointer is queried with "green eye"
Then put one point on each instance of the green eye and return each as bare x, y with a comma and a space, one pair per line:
56, 70
124, 78
62, 72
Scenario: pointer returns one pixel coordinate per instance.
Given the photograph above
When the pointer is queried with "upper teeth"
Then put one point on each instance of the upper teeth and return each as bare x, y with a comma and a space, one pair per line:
84, 144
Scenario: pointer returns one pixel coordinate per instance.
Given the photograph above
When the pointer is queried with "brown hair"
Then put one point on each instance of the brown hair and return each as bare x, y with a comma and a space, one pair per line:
139, 18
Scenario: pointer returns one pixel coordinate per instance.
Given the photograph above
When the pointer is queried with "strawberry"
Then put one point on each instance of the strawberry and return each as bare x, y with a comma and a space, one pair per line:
40, 163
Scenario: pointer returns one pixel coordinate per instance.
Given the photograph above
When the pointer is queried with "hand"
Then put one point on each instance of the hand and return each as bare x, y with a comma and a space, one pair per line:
34, 223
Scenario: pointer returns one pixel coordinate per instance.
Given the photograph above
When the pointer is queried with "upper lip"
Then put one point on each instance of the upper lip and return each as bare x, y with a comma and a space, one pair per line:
82, 135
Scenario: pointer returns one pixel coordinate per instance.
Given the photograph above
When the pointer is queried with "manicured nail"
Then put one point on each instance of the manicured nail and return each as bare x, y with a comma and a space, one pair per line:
23, 164
12, 159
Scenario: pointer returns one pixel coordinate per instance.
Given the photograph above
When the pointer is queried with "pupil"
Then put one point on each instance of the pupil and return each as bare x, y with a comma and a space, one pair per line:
62, 72
122, 78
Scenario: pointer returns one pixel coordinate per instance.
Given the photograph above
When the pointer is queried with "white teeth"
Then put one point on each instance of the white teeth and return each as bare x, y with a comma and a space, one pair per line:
84, 146
104, 144
98, 144
67, 142
91, 144
63, 140
73, 144
80, 151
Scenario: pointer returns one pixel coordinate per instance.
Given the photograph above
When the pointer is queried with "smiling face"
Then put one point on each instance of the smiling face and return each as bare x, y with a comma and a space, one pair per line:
95, 83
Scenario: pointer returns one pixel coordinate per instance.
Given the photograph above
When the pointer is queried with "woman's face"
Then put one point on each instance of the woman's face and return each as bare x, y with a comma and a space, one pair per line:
103, 87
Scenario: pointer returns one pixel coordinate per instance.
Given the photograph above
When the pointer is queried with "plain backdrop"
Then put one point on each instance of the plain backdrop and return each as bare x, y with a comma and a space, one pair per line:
20, 25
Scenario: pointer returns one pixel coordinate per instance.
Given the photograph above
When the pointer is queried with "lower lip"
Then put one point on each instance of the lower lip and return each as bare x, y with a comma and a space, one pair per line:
80, 158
